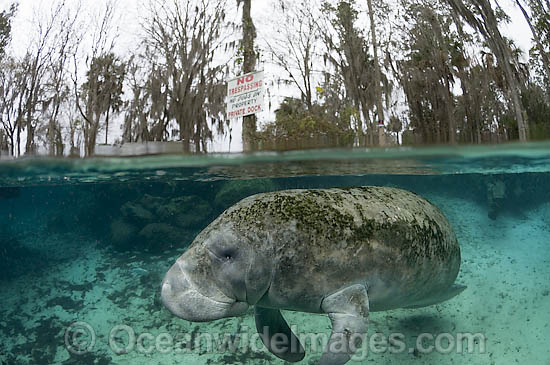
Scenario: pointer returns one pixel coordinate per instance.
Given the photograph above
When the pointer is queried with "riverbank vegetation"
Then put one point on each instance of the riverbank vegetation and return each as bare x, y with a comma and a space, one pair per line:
429, 72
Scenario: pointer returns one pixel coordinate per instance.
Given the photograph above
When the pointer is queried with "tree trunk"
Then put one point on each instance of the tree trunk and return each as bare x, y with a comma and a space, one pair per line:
30, 107
514, 90
467, 133
19, 139
249, 62
29, 145
377, 81
489, 29
12, 146
307, 80
107, 120
442, 57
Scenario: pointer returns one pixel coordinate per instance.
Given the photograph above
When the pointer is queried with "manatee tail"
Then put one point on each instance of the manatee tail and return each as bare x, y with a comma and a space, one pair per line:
453, 291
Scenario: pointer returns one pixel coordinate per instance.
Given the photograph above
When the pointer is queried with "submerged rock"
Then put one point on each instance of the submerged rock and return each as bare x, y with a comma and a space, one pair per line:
123, 233
235, 190
134, 211
155, 233
185, 212
158, 223
198, 210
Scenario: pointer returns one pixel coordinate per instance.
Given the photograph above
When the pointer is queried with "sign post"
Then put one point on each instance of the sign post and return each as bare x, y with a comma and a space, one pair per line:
245, 95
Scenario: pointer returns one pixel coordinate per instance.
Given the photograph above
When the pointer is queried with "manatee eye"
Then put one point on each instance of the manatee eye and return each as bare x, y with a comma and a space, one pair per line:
228, 254
223, 251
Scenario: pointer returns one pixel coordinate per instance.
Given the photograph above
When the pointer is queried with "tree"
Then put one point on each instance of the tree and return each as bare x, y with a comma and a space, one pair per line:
426, 74
136, 126
296, 126
5, 27
481, 16
13, 83
101, 95
37, 59
347, 52
538, 111
185, 83
10, 90
537, 36
377, 80
395, 126
43, 92
57, 92
294, 46
75, 133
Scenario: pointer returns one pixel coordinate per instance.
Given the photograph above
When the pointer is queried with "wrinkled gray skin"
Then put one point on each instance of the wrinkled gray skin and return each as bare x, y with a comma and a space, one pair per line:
344, 252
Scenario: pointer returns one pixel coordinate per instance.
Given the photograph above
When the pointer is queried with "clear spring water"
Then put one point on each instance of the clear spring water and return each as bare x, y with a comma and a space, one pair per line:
84, 245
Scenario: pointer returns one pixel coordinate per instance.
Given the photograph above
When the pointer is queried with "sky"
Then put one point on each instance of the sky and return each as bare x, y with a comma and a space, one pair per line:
262, 12
517, 29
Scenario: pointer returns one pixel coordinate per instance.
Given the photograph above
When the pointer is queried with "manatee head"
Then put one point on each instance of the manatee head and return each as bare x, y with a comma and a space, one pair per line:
220, 275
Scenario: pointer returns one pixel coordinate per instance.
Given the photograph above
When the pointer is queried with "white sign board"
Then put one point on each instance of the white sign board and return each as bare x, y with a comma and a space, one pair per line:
245, 95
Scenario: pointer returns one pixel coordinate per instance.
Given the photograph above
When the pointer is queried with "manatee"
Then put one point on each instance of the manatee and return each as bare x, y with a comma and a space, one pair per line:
343, 252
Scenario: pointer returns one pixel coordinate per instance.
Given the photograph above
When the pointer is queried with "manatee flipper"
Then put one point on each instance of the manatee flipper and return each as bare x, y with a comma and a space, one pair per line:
348, 310
277, 335
453, 291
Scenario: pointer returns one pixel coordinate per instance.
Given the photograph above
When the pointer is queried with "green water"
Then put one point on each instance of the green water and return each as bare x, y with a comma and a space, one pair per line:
88, 242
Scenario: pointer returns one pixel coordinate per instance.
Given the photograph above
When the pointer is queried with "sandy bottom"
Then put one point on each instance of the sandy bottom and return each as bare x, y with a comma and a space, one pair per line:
506, 266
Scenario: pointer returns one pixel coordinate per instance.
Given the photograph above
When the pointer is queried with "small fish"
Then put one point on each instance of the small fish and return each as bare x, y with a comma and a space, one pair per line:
139, 271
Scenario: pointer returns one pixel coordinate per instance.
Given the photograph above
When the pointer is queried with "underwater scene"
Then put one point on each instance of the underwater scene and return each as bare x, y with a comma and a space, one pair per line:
85, 246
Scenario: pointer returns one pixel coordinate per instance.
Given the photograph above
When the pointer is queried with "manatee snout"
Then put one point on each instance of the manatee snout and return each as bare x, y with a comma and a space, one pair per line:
180, 296
174, 288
